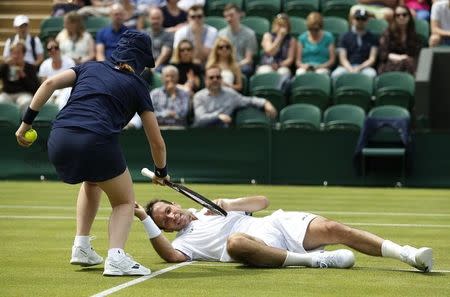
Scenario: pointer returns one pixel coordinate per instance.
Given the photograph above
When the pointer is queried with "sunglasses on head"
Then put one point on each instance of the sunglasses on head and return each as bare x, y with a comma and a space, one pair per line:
196, 16
403, 14
52, 48
214, 77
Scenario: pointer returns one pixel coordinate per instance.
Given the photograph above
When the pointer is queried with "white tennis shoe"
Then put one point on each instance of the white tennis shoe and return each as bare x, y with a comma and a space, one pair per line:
421, 259
334, 259
124, 265
85, 256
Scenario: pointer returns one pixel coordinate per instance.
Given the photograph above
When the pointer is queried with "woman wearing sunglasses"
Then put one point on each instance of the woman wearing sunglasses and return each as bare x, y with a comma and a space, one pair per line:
399, 45
224, 55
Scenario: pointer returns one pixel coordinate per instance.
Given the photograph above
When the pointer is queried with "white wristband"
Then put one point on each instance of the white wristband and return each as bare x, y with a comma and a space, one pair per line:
151, 228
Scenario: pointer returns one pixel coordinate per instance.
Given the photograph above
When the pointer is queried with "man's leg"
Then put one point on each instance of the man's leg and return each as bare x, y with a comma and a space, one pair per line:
87, 205
322, 231
252, 251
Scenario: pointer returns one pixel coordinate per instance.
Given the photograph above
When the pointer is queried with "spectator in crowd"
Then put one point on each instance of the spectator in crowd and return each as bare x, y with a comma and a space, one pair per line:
400, 45
104, 7
108, 37
440, 23
187, 4
420, 9
55, 64
171, 103
279, 48
223, 55
316, 50
380, 9
19, 77
162, 40
214, 105
174, 17
61, 7
189, 72
358, 48
200, 34
145, 5
74, 41
242, 38
34, 51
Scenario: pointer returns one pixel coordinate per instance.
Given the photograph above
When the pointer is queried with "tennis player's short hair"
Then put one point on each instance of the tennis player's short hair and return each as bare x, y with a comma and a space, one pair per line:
151, 204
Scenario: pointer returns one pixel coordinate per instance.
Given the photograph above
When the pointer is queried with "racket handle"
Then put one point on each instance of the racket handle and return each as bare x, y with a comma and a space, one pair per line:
148, 173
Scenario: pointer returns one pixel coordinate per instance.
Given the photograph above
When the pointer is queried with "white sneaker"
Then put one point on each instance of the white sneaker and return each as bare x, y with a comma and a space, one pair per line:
124, 265
334, 259
85, 256
421, 259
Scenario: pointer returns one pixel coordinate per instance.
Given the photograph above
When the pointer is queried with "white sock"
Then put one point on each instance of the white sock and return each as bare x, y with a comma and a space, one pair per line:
116, 253
296, 259
390, 249
82, 240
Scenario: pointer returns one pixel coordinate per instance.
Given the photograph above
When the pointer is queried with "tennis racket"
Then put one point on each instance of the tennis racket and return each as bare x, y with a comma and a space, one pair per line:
203, 201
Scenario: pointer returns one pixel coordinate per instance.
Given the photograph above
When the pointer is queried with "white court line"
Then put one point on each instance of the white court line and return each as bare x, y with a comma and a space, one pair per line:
140, 280
351, 213
19, 217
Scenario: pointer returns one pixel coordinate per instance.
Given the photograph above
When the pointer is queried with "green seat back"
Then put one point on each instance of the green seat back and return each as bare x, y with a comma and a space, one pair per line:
258, 24
395, 88
50, 27
94, 24
377, 26
217, 22
389, 111
335, 25
215, 7
298, 26
300, 8
46, 115
251, 117
337, 8
264, 8
312, 88
300, 116
353, 88
9, 115
268, 86
344, 116
423, 30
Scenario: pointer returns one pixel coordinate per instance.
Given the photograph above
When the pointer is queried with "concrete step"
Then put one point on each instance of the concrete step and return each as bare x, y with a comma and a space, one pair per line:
26, 7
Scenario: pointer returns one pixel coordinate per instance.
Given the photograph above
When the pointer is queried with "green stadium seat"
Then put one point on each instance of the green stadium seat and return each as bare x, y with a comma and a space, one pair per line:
377, 26
9, 115
94, 24
386, 141
300, 116
311, 88
217, 22
300, 8
263, 8
268, 86
337, 8
344, 117
50, 27
215, 7
298, 25
353, 88
251, 117
335, 25
423, 30
395, 88
46, 115
258, 24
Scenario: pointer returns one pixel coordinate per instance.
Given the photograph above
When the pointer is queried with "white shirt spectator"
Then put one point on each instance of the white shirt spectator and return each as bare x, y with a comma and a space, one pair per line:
440, 11
209, 36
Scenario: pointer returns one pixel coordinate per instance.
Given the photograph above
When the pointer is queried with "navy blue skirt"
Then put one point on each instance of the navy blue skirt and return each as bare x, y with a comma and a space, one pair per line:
81, 155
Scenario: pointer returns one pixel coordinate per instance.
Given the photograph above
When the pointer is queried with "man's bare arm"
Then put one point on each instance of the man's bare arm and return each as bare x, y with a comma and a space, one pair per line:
249, 204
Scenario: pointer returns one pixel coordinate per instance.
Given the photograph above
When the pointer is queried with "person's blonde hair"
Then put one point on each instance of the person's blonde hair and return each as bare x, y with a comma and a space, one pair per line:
176, 52
281, 19
213, 58
314, 20
19, 44
74, 18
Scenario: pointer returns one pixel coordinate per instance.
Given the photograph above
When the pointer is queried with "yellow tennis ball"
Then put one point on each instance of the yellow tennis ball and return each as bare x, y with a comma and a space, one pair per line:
31, 135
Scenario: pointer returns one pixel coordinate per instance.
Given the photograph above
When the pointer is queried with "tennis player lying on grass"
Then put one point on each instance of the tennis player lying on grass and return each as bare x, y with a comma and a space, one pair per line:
284, 238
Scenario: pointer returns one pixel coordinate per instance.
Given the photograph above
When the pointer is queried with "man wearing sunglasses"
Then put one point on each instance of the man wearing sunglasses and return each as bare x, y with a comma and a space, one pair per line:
358, 48
215, 104
199, 33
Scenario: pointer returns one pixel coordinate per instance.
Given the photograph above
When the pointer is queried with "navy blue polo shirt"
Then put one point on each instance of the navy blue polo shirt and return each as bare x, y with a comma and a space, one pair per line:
109, 38
358, 53
103, 99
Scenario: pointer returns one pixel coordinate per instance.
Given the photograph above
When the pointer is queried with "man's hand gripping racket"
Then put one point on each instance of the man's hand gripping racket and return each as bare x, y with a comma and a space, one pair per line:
205, 202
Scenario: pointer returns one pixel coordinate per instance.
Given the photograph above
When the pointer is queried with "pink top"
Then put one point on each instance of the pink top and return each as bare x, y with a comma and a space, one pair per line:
417, 4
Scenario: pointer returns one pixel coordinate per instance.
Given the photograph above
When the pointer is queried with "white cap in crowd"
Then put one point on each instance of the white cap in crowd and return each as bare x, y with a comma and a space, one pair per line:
20, 20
